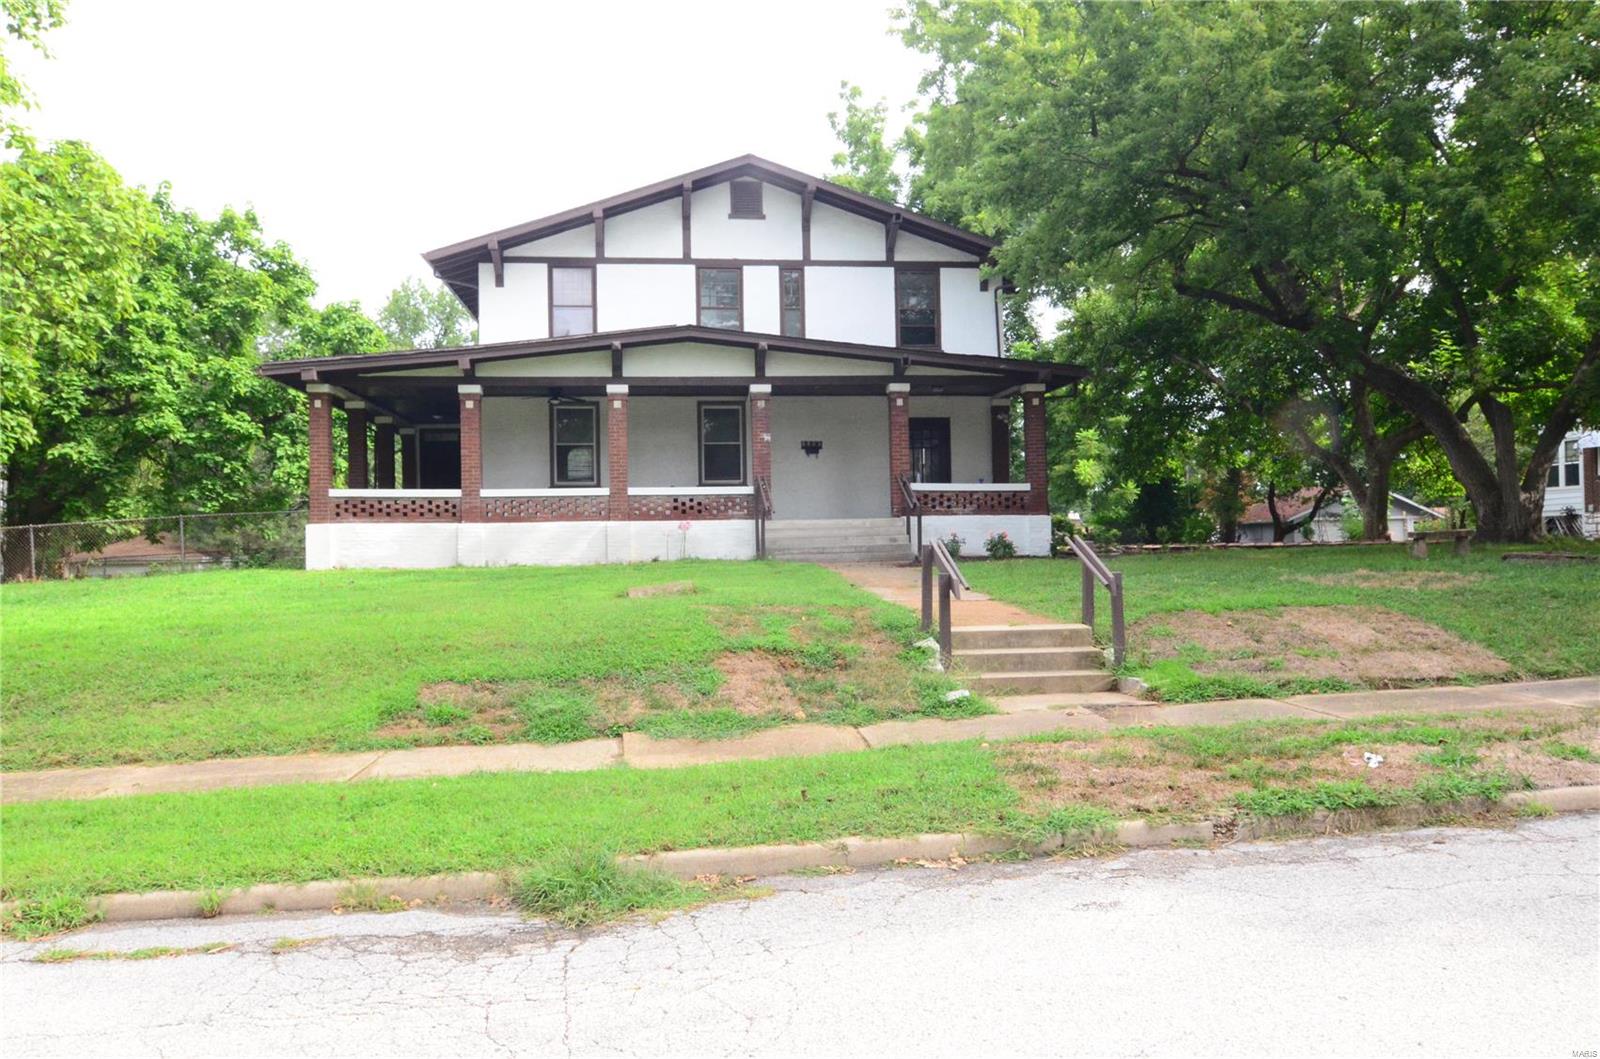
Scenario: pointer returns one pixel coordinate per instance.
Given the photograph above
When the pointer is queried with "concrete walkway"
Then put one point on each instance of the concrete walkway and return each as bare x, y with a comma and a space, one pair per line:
1023, 716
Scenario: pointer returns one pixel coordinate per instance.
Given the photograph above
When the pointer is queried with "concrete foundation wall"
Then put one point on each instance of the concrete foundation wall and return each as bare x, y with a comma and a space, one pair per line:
427, 545
1030, 533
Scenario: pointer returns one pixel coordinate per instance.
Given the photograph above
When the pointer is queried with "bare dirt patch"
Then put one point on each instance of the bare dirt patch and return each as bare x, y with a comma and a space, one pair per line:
1370, 645
753, 682
486, 706
1361, 577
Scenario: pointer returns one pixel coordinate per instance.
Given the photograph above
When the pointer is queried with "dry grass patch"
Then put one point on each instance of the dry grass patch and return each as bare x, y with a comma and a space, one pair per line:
1409, 580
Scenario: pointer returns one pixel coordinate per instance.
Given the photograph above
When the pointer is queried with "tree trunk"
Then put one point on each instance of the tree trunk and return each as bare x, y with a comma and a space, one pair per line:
1228, 507
1280, 528
1375, 505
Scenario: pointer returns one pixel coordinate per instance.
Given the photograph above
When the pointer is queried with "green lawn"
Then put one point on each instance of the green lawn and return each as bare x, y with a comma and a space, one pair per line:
272, 661
1539, 619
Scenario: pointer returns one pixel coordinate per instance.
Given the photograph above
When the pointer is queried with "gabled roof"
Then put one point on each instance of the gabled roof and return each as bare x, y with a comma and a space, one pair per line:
1296, 506
457, 263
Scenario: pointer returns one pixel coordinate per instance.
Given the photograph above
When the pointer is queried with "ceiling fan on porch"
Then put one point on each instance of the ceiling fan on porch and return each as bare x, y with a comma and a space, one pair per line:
558, 399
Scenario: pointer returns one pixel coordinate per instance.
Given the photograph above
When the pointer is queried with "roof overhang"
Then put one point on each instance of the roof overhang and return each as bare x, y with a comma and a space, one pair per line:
434, 374
457, 264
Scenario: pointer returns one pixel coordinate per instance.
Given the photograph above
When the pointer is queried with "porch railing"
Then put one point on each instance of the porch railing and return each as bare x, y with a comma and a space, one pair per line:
1095, 569
763, 513
913, 508
936, 556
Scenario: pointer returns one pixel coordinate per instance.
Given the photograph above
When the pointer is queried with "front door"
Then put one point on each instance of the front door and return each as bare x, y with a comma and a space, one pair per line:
930, 449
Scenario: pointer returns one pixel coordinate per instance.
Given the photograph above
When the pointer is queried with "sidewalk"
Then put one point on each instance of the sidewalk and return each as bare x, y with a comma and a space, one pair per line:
1025, 715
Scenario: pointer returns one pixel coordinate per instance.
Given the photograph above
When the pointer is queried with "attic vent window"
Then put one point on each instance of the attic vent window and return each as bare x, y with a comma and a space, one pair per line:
744, 199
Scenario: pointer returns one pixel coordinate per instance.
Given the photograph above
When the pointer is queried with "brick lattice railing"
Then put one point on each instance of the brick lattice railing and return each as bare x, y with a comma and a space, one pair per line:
974, 501
396, 509
716, 506
545, 508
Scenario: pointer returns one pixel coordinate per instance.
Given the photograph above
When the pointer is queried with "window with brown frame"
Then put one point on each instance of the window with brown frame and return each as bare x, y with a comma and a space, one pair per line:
721, 444
792, 302
571, 301
721, 298
916, 303
574, 446
744, 200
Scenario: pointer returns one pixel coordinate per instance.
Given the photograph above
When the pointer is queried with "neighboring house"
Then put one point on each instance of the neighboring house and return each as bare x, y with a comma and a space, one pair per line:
1572, 486
653, 366
1327, 527
139, 556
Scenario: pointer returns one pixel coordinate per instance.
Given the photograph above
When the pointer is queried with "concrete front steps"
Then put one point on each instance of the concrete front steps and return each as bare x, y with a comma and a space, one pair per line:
839, 540
1030, 659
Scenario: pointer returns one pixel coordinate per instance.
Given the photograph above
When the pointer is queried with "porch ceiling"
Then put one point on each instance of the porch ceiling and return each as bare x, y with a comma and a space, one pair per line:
429, 395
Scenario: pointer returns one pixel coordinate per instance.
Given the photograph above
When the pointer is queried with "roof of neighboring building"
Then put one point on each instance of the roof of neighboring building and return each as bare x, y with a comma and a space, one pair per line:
457, 263
140, 548
1295, 507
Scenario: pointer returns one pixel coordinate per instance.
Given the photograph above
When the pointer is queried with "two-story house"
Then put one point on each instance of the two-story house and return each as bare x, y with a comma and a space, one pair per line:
739, 355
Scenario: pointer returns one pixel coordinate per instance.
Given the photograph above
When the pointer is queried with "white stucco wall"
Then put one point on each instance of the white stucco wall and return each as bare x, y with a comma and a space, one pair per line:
850, 304
652, 231
629, 296
966, 314
970, 440
663, 441
839, 235
761, 299
590, 364
518, 310
516, 443
781, 363
909, 247
576, 242
682, 359
713, 234
850, 479
1030, 533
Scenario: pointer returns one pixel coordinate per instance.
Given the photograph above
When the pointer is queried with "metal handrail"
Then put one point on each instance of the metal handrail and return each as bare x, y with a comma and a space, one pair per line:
1095, 569
951, 584
913, 507
763, 500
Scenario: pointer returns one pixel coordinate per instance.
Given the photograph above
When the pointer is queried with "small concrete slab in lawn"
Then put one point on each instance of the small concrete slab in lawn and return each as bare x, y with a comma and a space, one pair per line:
795, 740
993, 726
1231, 711
665, 588
510, 757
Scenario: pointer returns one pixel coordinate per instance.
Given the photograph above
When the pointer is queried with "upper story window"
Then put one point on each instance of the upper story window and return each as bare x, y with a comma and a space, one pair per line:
916, 306
1564, 471
721, 291
571, 301
573, 446
792, 303
744, 200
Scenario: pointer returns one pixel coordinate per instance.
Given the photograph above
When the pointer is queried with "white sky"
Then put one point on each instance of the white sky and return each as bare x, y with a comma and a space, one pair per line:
366, 133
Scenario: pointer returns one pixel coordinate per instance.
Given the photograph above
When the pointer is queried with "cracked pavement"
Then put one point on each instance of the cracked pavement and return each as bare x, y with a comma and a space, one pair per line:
1439, 941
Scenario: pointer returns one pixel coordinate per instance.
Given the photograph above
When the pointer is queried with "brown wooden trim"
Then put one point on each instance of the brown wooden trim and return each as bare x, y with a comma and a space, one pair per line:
735, 262
938, 308
891, 232
499, 262
599, 233
688, 196
807, 197
616, 360
699, 441
594, 411
699, 303
550, 302
761, 360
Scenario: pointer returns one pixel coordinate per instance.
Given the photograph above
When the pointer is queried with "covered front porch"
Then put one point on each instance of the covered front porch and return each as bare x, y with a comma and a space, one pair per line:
487, 463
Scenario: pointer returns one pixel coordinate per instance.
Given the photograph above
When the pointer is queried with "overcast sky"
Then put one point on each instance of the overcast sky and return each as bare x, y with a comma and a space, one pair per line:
366, 133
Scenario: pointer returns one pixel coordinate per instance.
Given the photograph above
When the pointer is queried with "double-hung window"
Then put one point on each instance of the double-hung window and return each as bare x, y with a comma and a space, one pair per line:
916, 304
571, 301
720, 298
721, 444
1564, 471
573, 448
792, 303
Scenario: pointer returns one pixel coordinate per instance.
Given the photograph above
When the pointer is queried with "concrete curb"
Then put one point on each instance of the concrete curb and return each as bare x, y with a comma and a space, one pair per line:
851, 852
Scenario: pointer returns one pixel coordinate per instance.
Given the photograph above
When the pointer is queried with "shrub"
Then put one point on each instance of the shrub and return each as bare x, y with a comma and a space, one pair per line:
952, 544
1000, 545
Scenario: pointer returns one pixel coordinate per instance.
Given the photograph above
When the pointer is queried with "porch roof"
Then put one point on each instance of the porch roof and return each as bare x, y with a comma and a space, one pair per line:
424, 398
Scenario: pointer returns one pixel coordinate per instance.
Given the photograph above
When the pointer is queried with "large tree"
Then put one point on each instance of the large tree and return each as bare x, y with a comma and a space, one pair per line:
1407, 192
419, 315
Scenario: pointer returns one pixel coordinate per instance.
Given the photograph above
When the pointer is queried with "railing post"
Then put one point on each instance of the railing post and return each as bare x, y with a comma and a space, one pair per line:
33, 558
183, 547
927, 587
1119, 629
945, 655
1088, 589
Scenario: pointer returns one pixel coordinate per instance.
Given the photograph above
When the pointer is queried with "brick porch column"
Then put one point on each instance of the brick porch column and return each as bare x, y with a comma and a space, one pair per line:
899, 442
1033, 449
1000, 440
408, 457
617, 450
761, 433
383, 452
320, 450
355, 419
471, 398
1591, 479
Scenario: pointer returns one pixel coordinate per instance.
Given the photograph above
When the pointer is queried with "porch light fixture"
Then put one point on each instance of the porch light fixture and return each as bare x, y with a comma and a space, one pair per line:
811, 448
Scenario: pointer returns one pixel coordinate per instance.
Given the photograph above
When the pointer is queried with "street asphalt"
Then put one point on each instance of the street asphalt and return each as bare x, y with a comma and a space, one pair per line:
1435, 942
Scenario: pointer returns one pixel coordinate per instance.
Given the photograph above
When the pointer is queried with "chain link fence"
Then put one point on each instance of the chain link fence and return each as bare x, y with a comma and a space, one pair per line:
133, 547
